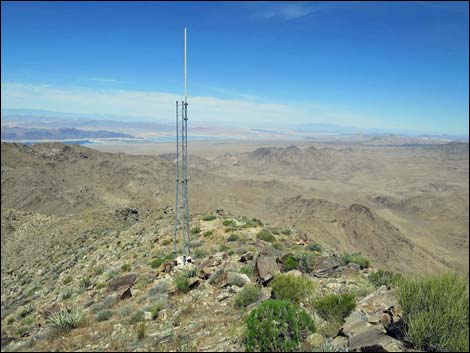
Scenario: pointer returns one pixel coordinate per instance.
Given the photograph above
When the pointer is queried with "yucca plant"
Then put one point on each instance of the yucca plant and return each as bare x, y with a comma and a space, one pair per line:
66, 318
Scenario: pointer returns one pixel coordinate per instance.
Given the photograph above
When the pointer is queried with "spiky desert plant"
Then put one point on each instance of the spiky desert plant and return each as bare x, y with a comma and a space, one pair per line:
66, 318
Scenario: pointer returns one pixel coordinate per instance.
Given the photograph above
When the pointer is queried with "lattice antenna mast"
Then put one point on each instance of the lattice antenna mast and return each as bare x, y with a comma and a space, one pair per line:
182, 228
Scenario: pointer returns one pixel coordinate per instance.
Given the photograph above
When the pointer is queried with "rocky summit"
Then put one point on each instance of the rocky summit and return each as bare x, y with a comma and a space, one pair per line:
87, 264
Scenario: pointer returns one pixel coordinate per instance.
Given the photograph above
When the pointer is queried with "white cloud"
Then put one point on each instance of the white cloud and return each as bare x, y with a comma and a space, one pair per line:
285, 11
160, 106
143, 104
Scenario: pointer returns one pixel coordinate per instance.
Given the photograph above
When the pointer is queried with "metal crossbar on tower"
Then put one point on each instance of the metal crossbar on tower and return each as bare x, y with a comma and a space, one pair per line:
182, 229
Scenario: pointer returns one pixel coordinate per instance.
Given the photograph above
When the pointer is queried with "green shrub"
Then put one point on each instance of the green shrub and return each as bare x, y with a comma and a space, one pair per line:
266, 236
356, 258
182, 283
335, 307
166, 242
277, 326
98, 270
314, 248
223, 248
141, 331
230, 229
10, 319
67, 293
253, 223
247, 270
385, 278
190, 272
306, 261
138, 316
291, 263
66, 319
286, 231
26, 310
292, 288
232, 237
125, 267
85, 282
100, 285
231, 252
209, 217
228, 222
435, 312
67, 280
103, 315
154, 310
156, 263
208, 233
275, 231
249, 294
278, 245
195, 230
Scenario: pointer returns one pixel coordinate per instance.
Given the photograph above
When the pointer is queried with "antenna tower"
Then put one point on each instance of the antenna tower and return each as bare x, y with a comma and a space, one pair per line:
182, 207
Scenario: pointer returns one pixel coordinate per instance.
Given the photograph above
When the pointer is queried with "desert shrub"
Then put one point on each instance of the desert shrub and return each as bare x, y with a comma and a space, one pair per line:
384, 278
275, 231
230, 229
157, 262
85, 282
138, 316
356, 258
208, 233
435, 312
249, 294
231, 252
199, 253
67, 280
10, 319
292, 288
190, 272
67, 293
66, 319
326, 347
141, 331
103, 315
100, 285
154, 310
247, 270
209, 217
166, 242
125, 267
277, 326
286, 231
253, 223
266, 236
26, 310
335, 307
232, 237
160, 287
223, 248
182, 283
278, 245
228, 222
195, 230
291, 263
98, 270
306, 261
314, 247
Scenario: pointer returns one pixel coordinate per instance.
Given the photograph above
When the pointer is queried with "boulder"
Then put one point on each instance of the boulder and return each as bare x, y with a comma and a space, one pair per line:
326, 266
266, 268
122, 285
369, 339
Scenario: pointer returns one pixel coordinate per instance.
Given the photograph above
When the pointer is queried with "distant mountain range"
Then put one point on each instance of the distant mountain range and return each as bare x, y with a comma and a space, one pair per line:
34, 134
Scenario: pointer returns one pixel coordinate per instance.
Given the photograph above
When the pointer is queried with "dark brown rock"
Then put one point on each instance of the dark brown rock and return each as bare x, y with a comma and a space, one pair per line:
123, 285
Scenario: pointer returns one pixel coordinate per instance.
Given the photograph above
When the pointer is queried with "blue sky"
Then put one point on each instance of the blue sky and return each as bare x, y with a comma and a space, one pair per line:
394, 66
